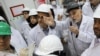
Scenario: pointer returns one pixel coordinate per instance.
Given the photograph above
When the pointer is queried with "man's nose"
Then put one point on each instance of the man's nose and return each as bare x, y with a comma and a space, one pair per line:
95, 25
71, 16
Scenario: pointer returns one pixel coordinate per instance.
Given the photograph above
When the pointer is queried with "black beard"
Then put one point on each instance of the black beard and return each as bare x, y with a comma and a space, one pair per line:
32, 25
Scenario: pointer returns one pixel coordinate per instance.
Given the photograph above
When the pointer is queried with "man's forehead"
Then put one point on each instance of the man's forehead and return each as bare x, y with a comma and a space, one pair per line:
5, 35
25, 11
97, 19
43, 13
74, 10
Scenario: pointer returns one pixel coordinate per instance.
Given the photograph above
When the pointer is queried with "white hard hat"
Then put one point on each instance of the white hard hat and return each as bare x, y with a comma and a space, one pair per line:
26, 9
97, 12
43, 8
49, 44
50, 55
1, 18
33, 12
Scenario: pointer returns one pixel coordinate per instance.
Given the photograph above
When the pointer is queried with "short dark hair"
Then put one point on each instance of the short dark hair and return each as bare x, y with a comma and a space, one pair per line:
29, 18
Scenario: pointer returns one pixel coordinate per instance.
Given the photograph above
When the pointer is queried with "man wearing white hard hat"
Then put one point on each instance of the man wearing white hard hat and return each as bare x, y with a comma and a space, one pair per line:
17, 40
50, 46
32, 19
94, 49
25, 28
25, 12
43, 27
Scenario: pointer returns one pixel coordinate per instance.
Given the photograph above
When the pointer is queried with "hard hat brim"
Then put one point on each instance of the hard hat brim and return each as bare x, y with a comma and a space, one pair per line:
5, 34
39, 52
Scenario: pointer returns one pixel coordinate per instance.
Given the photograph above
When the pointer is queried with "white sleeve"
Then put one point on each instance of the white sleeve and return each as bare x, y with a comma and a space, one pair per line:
30, 40
85, 53
22, 41
87, 35
87, 10
62, 26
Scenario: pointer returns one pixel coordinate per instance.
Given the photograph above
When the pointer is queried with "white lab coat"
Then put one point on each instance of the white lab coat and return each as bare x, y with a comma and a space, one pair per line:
93, 50
36, 34
86, 35
17, 40
87, 10
25, 29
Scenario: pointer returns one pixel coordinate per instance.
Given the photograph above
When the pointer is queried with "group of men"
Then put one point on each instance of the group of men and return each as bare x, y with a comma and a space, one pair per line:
44, 33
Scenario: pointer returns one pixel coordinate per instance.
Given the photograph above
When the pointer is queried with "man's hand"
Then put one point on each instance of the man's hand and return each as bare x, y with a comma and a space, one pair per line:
24, 52
60, 17
74, 29
49, 20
